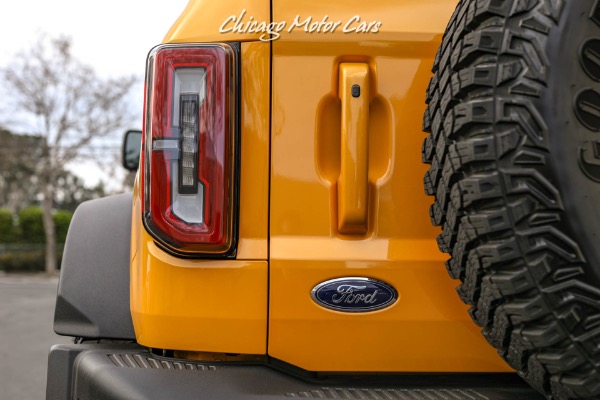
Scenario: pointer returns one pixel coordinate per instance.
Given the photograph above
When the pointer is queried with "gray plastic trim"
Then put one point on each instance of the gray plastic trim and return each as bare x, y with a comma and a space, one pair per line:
95, 375
93, 292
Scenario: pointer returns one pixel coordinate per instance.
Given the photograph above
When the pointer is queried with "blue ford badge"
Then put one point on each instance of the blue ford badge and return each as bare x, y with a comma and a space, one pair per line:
354, 294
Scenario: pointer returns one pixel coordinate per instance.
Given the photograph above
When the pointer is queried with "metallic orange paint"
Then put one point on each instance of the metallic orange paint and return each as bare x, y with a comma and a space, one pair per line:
219, 305
289, 236
352, 189
202, 21
428, 328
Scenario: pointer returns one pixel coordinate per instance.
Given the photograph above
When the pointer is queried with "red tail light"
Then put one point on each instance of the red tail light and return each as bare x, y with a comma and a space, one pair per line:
190, 148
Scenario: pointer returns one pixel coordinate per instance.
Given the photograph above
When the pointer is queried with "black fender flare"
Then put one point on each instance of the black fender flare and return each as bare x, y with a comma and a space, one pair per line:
93, 292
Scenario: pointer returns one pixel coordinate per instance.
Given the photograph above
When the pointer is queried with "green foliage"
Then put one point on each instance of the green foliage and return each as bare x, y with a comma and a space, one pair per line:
31, 225
24, 257
62, 219
22, 248
22, 262
7, 227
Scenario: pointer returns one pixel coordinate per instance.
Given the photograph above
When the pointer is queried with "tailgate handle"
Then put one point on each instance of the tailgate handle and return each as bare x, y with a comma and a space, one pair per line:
352, 185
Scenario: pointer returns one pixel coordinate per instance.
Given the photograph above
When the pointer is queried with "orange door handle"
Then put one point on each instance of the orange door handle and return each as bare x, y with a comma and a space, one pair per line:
352, 185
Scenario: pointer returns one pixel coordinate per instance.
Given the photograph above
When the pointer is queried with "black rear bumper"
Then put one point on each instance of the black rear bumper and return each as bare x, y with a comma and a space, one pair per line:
126, 371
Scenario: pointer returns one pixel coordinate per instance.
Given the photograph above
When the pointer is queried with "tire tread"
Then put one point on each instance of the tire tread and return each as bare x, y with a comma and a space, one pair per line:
500, 213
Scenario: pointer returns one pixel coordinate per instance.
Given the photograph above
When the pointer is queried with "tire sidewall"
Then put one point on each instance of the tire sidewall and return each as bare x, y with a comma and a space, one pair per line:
567, 136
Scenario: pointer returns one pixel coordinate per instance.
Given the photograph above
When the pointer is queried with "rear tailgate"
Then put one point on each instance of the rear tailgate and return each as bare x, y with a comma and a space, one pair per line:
349, 202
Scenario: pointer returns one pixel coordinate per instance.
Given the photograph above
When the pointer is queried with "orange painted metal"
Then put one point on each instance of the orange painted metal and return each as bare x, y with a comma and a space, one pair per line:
290, 239
352, 189
214, 305
428, 329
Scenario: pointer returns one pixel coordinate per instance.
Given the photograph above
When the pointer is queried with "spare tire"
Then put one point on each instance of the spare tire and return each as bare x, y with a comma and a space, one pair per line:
514, 150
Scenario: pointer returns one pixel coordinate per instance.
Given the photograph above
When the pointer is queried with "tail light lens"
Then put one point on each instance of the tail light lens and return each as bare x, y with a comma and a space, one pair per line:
190, 148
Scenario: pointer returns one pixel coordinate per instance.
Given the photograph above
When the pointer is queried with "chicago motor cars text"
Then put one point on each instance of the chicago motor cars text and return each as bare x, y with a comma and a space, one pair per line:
272, 30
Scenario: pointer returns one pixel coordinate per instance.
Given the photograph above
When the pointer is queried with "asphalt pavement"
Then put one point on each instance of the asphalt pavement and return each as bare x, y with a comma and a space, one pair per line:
26, 334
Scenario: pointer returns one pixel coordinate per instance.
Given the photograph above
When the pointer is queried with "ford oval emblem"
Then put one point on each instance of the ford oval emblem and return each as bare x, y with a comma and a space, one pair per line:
354, 294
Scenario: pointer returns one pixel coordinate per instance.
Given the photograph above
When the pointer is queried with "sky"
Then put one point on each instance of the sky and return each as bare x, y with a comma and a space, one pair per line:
113, 36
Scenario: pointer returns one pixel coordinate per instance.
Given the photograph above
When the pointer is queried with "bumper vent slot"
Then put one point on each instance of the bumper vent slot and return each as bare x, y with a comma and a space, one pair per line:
390, 394
138, 361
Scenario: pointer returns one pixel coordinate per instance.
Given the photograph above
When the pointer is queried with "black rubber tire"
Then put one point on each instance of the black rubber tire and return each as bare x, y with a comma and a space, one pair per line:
514, 145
